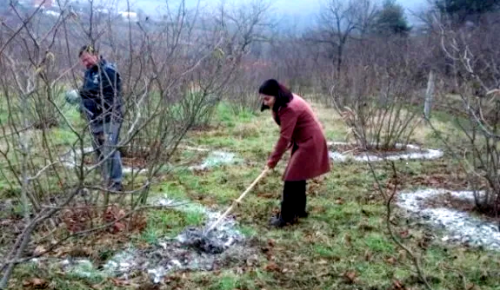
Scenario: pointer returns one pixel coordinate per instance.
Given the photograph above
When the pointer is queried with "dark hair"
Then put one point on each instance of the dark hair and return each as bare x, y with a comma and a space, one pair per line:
273, 88
88, 49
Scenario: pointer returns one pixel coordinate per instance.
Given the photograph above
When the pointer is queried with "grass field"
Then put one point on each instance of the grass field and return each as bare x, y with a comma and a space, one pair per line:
344, 244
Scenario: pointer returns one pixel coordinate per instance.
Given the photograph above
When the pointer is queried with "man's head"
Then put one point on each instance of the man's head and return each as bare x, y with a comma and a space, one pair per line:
88, 56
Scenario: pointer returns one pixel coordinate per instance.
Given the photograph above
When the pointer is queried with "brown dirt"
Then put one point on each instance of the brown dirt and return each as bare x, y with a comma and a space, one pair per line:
439, 180
46, 124
136, 162
436, 174
10, 227
203, 128
452, 202
81, 217
131, 159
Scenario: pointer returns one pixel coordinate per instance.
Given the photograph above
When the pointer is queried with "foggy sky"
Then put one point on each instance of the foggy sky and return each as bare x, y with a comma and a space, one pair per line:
288, 6
301, 10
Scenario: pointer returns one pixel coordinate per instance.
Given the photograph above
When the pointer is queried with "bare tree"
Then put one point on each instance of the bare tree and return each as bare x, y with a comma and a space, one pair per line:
247, 27
339, 21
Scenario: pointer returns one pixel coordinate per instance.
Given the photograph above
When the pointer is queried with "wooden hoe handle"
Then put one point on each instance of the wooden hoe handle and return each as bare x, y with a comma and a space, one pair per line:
235, 202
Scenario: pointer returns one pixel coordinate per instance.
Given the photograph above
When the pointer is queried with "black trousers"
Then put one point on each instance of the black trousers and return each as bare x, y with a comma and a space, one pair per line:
293, 203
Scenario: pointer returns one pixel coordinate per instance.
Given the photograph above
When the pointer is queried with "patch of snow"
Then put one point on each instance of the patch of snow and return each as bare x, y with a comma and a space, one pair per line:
72, 159
82, 268
418, 153
121, 264
199, 149
338, 157
462, 227
216, 158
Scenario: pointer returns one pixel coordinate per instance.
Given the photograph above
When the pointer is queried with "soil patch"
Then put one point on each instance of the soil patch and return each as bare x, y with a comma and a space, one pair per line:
341, 152
157, 262
200, 161
172, 255
46, 124
130, 158
11, 224
442, 180
438, 174
166, 255
137, 162
203, 128
465, 204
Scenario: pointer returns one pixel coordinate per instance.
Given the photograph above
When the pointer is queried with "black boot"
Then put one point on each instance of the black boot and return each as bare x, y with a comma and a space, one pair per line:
287, 214
300, 192
277, 222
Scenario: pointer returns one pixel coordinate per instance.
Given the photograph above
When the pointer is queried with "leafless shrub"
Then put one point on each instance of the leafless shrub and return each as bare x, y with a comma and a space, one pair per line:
473, 55
375, 93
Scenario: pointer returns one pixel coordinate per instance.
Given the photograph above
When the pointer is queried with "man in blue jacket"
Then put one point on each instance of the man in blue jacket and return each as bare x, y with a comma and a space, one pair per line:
101, 101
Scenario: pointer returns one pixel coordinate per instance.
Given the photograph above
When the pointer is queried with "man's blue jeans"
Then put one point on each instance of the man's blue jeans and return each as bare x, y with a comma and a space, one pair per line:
105, 139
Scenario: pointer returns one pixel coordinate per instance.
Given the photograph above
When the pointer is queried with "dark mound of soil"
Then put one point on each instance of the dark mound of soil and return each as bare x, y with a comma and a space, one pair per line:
207, 243
140, 158
130, 158
467, 205
441, 180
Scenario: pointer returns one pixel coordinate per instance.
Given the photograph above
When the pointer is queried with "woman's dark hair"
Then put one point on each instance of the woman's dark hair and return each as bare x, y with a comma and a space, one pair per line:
273, 88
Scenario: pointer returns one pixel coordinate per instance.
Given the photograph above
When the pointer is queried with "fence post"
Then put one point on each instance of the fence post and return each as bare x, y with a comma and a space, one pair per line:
429, 94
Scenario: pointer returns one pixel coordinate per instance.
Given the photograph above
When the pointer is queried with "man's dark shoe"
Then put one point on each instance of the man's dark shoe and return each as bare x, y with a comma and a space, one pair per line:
116, 187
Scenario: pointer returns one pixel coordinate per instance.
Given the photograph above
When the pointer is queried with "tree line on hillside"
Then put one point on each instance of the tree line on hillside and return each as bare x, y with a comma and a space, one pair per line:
363, 59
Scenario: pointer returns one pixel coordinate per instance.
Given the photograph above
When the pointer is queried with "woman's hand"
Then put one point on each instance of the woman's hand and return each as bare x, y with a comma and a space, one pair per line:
271, 165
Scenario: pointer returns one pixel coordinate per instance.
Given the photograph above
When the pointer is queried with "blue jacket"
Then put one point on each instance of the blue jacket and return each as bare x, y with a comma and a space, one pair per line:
101, 93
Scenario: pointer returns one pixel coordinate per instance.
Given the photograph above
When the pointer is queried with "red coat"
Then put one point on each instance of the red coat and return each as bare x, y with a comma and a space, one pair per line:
301, 131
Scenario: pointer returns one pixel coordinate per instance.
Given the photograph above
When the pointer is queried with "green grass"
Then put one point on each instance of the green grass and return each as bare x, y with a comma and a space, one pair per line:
345, 233
168, 223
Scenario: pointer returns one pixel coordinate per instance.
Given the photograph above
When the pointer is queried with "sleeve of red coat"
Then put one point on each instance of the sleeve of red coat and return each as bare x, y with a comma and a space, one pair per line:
288, 119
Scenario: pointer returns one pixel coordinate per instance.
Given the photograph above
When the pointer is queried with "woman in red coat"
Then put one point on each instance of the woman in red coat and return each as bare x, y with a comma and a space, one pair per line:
301, 131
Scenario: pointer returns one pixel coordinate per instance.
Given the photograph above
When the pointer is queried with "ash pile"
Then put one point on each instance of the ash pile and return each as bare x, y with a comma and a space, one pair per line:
190, 250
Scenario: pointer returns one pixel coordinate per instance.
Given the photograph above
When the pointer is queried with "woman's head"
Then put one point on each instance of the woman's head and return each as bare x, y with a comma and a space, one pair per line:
88, 56
274, 95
